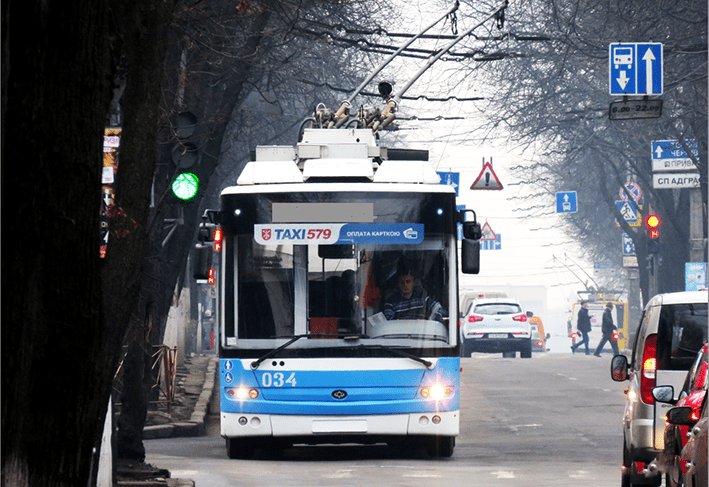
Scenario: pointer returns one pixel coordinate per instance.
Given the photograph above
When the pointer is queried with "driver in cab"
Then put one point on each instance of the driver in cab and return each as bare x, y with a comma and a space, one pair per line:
411, 302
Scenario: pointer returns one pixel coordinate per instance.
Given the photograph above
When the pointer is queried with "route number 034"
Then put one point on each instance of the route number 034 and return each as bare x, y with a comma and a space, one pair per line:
277, 380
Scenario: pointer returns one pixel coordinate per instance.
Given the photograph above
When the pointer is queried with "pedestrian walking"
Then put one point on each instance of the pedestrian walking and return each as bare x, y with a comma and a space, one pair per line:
608, 329
583, 327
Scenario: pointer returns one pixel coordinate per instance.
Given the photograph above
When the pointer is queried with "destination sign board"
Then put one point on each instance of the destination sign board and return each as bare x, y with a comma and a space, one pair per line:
675, 180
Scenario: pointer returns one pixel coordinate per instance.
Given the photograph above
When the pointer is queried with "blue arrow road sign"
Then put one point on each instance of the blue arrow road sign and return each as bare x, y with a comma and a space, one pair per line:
628, 245
635, 69
669, 155
492, 244
566, 202
450, 179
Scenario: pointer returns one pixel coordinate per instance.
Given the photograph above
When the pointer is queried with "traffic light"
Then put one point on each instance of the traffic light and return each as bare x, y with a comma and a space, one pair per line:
653, 233
653, 226
185, 186
185, 154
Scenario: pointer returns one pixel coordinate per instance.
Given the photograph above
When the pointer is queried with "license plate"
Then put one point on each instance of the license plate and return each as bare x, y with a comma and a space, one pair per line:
497, 335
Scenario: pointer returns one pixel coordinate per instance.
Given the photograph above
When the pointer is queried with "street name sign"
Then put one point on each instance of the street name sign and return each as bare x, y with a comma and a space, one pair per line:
675, 180
566, 202
669, 155
635, 69
603, 269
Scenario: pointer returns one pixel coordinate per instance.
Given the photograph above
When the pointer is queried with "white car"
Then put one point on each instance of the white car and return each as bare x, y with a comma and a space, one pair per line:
495, 325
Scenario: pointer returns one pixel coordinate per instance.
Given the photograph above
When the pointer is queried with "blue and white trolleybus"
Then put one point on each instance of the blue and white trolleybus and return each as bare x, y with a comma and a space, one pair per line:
338, 297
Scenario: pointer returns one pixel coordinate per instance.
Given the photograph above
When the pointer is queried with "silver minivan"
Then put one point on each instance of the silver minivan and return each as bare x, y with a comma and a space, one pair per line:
672, 329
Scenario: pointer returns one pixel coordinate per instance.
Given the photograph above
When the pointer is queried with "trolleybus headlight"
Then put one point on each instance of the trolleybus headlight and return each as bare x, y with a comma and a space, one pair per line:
436, 392
242, 393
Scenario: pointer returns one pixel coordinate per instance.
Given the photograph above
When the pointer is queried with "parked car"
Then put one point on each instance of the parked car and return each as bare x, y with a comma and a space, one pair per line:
694, 454
539, 340
692, 395
672, 330
494, 325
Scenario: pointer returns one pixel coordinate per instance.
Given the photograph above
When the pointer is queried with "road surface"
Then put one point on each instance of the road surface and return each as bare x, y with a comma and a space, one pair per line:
553, 420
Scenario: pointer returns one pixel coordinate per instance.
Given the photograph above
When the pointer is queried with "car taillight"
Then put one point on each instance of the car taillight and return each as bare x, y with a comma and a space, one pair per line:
474, 318
540, 343
696, 414
647, 373
520, 317
616, 335
218, 239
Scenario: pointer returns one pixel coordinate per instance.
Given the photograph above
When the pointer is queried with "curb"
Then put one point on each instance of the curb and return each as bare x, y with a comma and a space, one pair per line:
195, 426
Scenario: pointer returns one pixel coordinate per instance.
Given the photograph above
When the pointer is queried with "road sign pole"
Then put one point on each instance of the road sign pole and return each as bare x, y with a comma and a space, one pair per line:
697, 242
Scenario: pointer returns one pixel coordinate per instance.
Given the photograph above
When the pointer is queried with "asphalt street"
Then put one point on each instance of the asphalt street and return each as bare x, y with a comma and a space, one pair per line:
553, 420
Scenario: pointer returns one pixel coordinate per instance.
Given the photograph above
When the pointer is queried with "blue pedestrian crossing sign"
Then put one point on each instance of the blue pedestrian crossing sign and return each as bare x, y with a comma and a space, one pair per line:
630, 212
635, 69
566, 202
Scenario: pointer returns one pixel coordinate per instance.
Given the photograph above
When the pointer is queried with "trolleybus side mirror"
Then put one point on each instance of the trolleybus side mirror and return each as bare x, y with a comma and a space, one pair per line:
470, 251
202, 261
470, 246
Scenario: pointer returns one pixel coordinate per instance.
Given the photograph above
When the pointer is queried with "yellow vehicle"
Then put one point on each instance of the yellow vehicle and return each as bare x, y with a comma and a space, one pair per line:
596, 305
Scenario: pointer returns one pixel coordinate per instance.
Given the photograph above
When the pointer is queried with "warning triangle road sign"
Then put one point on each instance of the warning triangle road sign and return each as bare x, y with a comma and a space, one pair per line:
487, 179
487, 233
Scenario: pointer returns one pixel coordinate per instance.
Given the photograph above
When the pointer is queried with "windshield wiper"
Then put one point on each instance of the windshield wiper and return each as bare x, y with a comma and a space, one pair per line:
400, 353
416, 335
346, 336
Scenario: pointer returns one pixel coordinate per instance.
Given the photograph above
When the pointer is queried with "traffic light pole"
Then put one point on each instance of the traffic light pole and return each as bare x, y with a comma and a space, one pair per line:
652, 274
697, 242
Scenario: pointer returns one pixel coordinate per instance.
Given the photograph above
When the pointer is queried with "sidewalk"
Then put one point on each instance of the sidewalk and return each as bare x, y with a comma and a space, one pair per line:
193, 395
194, 387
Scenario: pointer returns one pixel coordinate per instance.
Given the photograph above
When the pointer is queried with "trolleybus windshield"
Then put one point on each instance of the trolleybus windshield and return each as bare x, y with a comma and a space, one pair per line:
345, 270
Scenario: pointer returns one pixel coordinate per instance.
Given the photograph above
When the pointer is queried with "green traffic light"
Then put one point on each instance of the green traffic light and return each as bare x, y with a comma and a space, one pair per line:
185, 185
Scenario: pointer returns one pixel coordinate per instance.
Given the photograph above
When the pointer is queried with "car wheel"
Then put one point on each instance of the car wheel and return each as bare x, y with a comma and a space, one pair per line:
509, 354
441, 446
625, 469
239, 448
527, 352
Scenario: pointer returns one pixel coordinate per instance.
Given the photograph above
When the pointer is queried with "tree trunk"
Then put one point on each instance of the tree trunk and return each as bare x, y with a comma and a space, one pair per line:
55, 356
165, 259
144, 27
